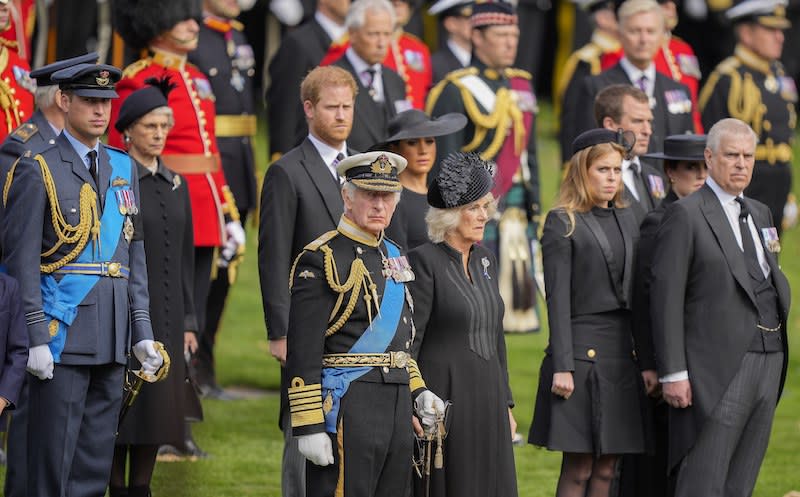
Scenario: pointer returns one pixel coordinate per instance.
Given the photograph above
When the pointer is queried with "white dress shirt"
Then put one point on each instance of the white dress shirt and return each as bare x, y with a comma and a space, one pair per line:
635, 74
361, 67
628, 165
328, 153
464, 56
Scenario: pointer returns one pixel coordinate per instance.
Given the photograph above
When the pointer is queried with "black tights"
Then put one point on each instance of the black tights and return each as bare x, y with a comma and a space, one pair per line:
584, 475
142, 461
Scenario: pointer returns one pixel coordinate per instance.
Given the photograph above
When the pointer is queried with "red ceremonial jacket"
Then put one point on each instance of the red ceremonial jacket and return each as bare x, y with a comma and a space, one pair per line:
19, 31
191, 148
16, 91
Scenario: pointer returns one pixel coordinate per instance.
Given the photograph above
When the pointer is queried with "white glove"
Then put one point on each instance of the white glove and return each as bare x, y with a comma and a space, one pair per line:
316, 448
145, 351
288, 12
40, 362
235, 239
428, 406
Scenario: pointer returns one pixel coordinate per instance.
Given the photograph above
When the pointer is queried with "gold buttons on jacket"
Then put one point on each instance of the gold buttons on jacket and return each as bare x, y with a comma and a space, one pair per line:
591, 353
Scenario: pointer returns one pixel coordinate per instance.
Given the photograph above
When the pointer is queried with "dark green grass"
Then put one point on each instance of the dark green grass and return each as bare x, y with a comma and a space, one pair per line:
246, 443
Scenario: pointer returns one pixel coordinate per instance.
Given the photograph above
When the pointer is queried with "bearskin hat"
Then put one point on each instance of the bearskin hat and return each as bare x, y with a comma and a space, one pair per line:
140, 21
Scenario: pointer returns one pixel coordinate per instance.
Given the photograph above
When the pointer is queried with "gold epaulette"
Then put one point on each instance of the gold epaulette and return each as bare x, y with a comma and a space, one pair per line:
727, 67
135, 68
305, 403
415, 381
451, 77
321, 240
590, 53
238, 26
24, 132
513, 72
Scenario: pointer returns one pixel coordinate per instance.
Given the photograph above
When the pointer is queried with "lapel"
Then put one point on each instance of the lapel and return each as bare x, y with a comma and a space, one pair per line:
317, 170
772, 260
636, 206
367, 110
605, 247
321, 36
718, 222
70, 156
616, 74
629, 226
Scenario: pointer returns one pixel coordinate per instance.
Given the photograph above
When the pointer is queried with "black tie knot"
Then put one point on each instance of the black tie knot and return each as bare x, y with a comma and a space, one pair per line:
744, 212
92, 155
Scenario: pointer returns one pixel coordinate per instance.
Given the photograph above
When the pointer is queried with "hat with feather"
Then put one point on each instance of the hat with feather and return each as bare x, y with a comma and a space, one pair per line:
138, 22
463, 178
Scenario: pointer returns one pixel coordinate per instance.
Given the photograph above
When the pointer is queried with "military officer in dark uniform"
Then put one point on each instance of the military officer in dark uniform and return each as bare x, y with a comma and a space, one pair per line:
85, 298
40, 131
500, 104
352, 379
226, 58
752, 86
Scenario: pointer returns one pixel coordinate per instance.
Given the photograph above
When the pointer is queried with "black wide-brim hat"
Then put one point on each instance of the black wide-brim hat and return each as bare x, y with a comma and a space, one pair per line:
138, 22
89, 80
414, 123
462, 179
142, 101
43, 75
682, 148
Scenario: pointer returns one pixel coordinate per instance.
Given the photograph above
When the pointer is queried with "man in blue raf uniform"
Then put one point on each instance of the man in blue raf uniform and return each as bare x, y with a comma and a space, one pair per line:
71, 214
350, 331
36, 133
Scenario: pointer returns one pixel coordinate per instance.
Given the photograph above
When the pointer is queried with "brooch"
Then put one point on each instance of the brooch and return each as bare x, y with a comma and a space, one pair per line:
485, 263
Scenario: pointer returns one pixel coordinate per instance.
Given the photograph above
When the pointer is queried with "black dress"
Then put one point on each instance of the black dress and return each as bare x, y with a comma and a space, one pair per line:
408, 228
461, 352
588, 277
157, 416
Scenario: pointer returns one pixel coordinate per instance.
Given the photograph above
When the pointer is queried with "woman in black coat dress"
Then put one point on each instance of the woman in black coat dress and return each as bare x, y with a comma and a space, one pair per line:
459, 345
591, 396
157, 416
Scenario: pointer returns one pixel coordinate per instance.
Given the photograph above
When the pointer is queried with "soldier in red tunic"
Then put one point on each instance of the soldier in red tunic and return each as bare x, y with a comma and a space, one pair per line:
17, 33
408, 56
169, 31
16, 86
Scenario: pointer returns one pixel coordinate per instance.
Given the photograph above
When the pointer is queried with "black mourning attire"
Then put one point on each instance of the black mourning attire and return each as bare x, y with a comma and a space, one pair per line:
461, 351
408, 227
589, 278
157, 416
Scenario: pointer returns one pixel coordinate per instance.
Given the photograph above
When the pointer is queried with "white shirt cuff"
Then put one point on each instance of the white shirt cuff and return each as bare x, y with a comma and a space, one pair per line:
673, 377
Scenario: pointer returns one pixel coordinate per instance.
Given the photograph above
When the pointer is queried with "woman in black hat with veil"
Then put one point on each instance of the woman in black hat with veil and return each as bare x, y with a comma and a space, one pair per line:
411, 135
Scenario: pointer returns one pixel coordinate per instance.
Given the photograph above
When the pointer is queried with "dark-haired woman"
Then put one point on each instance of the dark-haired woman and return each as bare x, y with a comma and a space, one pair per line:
157, 416
412, 135
591, 395
459, 345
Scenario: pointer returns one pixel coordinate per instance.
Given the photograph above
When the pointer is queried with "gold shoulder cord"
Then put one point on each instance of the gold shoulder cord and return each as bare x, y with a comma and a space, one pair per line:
89, 223
7, 98
744, 101
505, 112
359, 279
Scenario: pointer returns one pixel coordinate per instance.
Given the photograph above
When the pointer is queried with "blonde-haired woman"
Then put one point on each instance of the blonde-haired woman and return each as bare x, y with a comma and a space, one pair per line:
591, 395
459, 345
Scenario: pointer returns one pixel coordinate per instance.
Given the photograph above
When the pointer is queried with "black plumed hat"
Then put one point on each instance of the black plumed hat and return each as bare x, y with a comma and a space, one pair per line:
462, 178
143, 100
138, 22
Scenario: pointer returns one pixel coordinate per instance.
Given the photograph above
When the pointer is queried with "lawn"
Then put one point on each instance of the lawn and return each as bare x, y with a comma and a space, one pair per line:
246, 444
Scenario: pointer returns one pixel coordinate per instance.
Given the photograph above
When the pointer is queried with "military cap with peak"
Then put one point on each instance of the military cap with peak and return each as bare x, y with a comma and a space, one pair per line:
451, 8
89, 80
43, 74
376, 171
767, 13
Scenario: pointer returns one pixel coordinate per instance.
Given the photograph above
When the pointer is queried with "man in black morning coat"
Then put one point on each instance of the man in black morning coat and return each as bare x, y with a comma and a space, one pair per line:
381, 91
641, 29
301, 199
719, 305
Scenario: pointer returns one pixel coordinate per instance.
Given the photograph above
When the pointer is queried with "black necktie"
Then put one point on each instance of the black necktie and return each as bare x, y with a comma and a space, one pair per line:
93, 166
749, 246
644, 195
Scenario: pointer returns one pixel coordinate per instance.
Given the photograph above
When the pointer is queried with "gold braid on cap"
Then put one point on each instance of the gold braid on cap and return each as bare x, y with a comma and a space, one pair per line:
88, 224
359, 279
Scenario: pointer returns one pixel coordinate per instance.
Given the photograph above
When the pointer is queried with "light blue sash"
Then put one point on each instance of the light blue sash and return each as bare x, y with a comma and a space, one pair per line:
60, 299
375, 340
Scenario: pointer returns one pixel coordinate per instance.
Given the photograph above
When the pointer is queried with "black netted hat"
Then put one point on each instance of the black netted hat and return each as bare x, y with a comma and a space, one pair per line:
463, 178
143, 100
